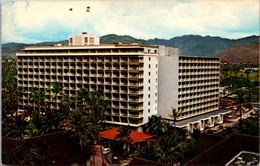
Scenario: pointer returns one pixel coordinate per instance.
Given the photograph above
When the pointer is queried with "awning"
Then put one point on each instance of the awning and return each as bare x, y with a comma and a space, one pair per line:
201, 117
136, 136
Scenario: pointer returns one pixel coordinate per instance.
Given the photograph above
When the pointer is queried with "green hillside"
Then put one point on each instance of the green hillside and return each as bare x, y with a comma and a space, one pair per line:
195, 45
247, 53
112, 38
190, 45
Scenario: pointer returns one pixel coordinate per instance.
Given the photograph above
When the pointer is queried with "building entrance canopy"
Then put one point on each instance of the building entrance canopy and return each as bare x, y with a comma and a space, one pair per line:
205, 120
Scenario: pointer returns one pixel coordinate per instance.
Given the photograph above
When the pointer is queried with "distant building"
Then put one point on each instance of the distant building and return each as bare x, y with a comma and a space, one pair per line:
83, 39
139, 80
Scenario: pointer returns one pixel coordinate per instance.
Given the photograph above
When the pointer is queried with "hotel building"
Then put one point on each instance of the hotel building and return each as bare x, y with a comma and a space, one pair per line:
138, 80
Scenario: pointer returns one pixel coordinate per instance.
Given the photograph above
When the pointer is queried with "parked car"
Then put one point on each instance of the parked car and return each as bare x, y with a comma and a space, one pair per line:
105, 150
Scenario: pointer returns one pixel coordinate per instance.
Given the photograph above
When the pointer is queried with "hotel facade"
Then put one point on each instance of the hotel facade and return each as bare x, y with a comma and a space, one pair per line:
138, 80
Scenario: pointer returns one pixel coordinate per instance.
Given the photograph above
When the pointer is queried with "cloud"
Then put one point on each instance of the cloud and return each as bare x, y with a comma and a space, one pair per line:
52, 21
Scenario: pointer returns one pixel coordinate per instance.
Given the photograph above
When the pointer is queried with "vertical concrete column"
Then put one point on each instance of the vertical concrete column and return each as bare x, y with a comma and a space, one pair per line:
221, 118
188, 128
211, 122
140, 129
202, 124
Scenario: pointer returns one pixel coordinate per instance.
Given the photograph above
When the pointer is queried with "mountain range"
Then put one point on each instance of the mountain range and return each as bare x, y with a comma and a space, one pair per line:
190, 45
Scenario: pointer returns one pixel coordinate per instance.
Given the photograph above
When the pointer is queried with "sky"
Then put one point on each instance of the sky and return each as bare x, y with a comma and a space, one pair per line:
37, 21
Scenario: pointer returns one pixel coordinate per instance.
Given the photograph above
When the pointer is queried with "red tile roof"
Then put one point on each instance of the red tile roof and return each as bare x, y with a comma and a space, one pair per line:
136, 136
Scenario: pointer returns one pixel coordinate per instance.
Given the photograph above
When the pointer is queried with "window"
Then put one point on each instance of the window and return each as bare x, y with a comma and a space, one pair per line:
149, 103
155, 94
91, 40
149, 88
149, 58
86, 40
149, 110
149, 96
156, 66
149, 73
149, 50
149, 81
149, 66
71, 40
155, 51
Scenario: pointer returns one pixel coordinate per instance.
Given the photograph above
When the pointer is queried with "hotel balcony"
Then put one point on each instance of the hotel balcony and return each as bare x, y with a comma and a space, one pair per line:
123, 91
124, 114
115, 106
135, 108
135, 116
115, 91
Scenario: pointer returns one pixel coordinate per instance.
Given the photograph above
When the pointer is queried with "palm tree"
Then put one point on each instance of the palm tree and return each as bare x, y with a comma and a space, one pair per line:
248, 71
227, 131
169, 150
56, 89
52, 120
66, 102
242, 100
145, 152
175, 115
23, 155
82, 98
37, 97
97, 107
156, 126
10, 90
123, 138
37, 123
79, 123
40, 150
17, 128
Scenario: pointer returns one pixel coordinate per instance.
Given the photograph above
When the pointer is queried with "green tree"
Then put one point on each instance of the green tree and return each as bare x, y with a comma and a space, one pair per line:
79, 123
22, 156
56, 89
242, 99
175, 115
81, 99
17, 127
37, 97
145, 152
124, 139
227, 131
10, 90
170, 150
248, 71
52, 120
249, 127
66, 102
37, 123
156, 126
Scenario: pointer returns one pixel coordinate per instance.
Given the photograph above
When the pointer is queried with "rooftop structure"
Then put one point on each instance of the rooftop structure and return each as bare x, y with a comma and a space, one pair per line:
83, 40
135, 136
138, 80
236, 149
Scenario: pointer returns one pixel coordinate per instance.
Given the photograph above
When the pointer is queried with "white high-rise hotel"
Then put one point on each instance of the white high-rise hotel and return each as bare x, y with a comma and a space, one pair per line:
138, 80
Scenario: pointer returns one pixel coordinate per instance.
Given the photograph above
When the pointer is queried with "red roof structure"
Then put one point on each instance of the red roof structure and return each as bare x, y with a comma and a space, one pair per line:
136, 136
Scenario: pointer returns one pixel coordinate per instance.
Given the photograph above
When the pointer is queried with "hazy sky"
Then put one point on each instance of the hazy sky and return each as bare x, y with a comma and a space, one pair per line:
36, 21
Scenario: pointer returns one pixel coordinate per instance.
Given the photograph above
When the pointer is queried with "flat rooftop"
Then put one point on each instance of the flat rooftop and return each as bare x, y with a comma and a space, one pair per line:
200, 117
